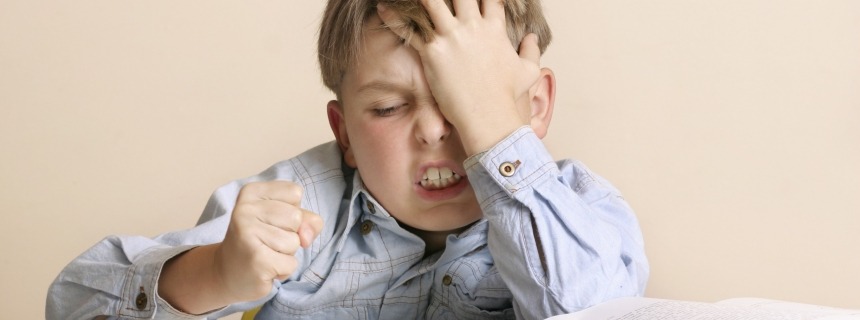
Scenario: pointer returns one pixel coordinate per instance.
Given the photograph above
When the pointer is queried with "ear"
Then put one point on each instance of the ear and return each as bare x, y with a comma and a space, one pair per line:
338, 128
542, 102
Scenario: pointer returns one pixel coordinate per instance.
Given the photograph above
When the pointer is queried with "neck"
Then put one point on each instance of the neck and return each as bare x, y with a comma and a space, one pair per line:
434, 241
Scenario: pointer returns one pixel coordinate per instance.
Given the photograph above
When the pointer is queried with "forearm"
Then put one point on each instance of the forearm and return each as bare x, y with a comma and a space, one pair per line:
119, 275
116, 277
189, 282
561, 238
480, 133
553, 270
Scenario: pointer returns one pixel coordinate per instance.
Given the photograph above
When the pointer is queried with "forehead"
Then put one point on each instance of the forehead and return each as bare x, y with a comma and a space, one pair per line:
382, 57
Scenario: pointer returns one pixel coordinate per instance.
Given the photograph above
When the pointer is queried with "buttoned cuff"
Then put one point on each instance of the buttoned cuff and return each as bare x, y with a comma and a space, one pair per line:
515, 163
140, 298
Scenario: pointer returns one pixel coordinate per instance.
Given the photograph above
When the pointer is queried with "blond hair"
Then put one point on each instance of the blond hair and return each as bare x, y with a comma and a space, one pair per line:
343, 21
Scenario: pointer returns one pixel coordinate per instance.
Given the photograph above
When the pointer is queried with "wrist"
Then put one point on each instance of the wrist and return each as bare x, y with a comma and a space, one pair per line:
480, 133
189, 282
482, 137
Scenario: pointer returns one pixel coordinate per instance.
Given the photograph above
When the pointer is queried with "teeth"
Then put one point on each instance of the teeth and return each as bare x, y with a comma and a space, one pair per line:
445, 173
438, 178
432, 173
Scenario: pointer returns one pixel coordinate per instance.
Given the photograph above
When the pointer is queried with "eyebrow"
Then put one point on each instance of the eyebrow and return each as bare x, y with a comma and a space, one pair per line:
380, 85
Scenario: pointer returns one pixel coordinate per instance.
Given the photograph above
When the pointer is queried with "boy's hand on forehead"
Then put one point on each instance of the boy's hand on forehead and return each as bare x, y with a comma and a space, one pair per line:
479, 81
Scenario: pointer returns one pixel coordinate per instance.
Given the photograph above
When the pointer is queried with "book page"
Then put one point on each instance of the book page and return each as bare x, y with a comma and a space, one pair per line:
787, 306
649, 308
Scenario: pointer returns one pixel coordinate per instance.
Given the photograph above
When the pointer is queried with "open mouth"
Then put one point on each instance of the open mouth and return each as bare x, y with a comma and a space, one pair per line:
436, 178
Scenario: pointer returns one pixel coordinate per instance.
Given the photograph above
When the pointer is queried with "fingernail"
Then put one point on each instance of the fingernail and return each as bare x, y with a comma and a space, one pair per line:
380, 7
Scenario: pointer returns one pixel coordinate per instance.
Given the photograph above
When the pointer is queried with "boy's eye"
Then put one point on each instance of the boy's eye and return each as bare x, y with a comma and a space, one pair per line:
384, 112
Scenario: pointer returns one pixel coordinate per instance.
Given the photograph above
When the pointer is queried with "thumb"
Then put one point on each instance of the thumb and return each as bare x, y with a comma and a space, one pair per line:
312, 225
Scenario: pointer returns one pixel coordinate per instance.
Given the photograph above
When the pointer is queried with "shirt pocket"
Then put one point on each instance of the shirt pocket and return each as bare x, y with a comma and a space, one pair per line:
319, 291
488, 298
459, 309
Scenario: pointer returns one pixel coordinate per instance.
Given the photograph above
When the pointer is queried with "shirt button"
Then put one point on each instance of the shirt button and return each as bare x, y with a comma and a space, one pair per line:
141, 300
366, 227
371, 207
508, 169
446, 280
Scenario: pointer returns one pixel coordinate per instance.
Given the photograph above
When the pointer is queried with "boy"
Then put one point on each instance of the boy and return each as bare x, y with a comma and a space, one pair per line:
437, 199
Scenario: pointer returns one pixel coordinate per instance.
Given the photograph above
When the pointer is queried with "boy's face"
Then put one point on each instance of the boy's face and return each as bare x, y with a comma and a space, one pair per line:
409, 157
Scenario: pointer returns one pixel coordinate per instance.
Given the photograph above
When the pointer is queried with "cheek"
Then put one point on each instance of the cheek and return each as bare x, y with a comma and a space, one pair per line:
379, 146
383, 158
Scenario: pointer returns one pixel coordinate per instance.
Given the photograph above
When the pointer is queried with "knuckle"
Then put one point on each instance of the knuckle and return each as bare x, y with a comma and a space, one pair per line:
294, 190
250, 190
253, 187
292, 217
241, 214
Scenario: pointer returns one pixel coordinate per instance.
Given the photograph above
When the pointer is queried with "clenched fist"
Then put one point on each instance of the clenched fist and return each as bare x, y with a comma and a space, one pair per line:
266, 229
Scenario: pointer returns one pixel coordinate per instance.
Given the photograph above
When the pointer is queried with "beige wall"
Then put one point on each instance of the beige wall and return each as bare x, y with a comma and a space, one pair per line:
733, 128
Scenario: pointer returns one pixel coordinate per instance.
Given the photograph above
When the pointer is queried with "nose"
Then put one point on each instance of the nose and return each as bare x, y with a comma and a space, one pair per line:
431, 127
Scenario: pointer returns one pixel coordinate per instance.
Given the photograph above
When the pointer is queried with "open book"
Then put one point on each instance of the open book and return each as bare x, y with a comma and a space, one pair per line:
731, 309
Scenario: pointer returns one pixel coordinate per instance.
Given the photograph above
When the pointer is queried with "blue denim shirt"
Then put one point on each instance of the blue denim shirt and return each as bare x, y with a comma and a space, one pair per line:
555, 238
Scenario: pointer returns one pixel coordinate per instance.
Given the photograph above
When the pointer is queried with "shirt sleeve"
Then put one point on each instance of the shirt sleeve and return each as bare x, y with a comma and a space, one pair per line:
562, 237
118, 277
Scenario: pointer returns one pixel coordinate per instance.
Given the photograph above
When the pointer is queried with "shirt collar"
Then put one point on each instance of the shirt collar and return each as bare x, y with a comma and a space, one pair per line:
359, 198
